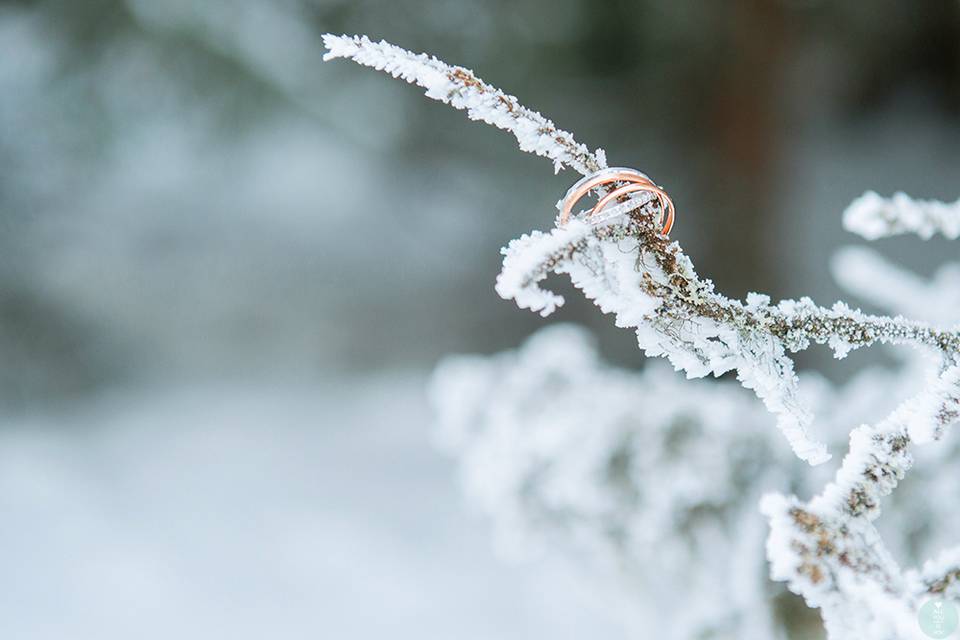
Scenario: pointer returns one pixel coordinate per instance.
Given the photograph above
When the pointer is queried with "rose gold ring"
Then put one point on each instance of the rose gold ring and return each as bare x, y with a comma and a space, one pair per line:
666, 204
636, 181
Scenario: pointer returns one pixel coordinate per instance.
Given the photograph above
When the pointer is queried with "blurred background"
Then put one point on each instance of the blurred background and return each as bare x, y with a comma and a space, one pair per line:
227, 269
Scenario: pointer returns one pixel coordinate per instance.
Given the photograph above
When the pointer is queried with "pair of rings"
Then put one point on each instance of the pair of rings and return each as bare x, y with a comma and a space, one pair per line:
635, 182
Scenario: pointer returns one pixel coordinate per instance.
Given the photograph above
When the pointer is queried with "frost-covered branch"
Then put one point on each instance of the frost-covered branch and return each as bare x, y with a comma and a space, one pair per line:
639, 470
461, 89
650, 285
552, 438
872, 216
827, 549
939, 577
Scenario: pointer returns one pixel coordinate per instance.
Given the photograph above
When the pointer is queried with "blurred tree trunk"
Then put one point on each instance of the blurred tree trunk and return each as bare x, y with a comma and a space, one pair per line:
745, 136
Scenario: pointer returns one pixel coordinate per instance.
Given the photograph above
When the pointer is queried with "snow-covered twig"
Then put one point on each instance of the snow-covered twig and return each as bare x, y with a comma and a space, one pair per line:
940, 576
872, 216
564, 452
828, 550
461, 89
650, 285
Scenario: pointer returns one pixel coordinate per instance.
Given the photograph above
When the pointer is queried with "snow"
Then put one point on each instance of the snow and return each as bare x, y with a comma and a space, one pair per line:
254, 510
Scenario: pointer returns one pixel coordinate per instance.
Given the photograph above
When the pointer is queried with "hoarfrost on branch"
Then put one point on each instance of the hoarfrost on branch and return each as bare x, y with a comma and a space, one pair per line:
553, 442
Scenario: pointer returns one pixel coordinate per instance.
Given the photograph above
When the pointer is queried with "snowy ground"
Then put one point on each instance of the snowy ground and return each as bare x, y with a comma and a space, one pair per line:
253, 511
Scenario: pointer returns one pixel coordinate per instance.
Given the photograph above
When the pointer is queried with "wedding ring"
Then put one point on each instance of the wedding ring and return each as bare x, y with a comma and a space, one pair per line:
636, 182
